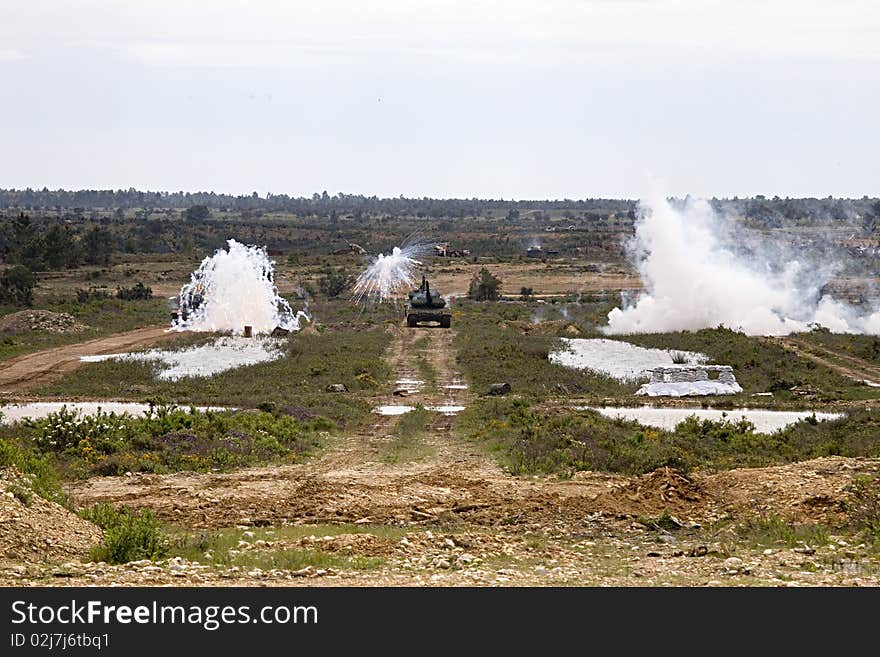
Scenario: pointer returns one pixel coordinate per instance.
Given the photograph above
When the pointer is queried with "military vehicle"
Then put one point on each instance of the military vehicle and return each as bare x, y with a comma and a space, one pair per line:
427, 306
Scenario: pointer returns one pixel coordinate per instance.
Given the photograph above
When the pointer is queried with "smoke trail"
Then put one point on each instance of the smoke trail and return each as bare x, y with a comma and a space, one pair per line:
695, 279
388, 275
232, 289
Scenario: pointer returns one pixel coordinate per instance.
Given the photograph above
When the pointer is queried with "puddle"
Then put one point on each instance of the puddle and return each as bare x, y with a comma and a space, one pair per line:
400, 410
620, 360
223, 354
37, 410
666, 418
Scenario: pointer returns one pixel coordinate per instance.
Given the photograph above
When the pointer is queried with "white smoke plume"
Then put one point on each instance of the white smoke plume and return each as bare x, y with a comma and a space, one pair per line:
695, 278
389, 275
232, 289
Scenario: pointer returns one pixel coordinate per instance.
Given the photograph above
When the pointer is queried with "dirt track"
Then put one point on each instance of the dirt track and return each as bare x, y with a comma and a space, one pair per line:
31, 371
844, 364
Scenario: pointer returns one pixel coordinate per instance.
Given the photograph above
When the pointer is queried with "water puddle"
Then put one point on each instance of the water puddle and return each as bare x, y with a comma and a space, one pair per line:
400, 410
667, 418
12, 413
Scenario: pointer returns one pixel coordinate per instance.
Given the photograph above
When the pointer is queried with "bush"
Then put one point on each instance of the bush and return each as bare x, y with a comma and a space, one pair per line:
91, 294
68, 430
484, 286
139, 292
128, 535
17, 286
42, 476
334, 282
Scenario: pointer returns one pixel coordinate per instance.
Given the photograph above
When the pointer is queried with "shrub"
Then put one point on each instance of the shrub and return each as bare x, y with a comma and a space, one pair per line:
128, 535
17, 286
484, 286
42, 477
67, 430
91, 294
139, 292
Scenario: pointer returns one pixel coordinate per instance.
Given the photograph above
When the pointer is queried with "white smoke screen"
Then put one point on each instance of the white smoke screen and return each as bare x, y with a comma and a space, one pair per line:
694, 279
388, 275
232, 289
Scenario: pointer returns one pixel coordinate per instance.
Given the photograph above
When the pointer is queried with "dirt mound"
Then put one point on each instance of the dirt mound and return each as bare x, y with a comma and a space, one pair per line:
808, 491
40, 320
554, 328
34, 530
664, 489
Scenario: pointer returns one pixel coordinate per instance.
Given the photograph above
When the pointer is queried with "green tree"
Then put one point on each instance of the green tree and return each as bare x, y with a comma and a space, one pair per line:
198, 212
484, 286
60, 249
334, 282
17, 286
97, 246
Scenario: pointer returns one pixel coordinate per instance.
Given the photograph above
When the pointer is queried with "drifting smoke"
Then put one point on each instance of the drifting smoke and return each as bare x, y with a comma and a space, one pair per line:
694, 280
232, 289
390, 274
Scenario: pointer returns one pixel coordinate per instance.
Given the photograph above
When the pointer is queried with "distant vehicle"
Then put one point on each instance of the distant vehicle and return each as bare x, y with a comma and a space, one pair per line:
427, 306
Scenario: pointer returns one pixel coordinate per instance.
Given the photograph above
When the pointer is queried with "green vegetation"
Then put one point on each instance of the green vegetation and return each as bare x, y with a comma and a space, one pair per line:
768, 530
170, 439
531, 440
759, 364
102, 316
484, 286
129, 535
295, 382
489, 351
42, 478
866, 347
423, 362
409, 431
221, 547
863, 507
17, 286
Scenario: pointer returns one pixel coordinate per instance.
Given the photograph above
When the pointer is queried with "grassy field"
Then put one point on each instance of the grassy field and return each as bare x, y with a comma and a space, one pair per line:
102, 317
490, 350
528, 439
311, 361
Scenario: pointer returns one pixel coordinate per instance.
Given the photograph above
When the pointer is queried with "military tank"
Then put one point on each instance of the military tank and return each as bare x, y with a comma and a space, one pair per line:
427, 306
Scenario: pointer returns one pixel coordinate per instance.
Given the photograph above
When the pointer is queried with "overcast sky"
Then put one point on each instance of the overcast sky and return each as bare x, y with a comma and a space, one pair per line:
494, 99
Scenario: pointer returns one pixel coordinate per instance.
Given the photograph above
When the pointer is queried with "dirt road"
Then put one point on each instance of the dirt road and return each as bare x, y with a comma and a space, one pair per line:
844, 364
43, 367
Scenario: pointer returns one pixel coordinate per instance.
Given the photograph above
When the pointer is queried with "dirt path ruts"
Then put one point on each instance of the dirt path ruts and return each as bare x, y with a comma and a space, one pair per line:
43, 367
855, 368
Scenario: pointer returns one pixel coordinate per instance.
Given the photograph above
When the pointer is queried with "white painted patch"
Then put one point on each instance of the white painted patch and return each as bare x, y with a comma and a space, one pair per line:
13, 413
400, 410
409, 382
223, 354
456, 386
688, 388
620, 360
667, 418
871, 383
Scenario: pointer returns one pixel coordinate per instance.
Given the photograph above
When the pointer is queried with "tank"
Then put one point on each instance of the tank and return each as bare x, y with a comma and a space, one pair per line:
425, 305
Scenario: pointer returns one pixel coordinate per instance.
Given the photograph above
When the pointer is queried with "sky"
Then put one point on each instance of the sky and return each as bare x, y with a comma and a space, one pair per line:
479, 98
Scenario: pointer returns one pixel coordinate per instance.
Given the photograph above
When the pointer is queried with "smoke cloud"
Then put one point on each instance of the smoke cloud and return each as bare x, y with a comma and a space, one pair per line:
697, 276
